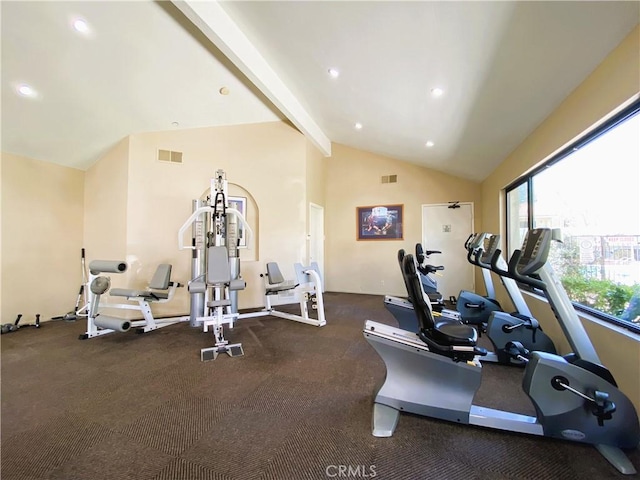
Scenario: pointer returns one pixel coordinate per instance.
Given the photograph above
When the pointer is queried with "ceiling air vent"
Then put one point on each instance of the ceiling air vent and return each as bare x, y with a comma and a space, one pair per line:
389, 178
169, 156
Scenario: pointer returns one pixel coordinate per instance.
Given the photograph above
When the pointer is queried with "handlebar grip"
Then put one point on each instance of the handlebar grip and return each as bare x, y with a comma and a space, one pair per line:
466, 242
513, 272
494, 263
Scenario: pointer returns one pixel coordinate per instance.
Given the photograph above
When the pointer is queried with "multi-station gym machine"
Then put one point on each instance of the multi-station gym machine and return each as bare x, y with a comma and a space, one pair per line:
215, 281
216, 276
215, 264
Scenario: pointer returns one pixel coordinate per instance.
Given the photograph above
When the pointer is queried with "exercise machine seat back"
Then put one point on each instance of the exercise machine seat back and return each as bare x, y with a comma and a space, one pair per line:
275, 280
401, 254
274, 275
218, 269
161, 280
435, 297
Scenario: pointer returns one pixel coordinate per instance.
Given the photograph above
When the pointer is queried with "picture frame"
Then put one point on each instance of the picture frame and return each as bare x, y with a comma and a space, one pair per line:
240, 204
380, 222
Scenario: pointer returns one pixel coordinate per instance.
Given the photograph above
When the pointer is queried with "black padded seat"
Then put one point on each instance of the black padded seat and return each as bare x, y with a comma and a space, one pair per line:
447, 333
434, 298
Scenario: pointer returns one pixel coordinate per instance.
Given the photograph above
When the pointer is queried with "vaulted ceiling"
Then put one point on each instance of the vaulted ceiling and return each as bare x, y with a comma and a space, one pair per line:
503, 67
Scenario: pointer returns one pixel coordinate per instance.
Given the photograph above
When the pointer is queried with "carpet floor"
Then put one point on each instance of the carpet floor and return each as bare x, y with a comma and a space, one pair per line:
296, 406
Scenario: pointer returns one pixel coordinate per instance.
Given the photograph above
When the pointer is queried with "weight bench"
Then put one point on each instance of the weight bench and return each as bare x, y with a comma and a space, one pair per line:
160, 290
275, 280
307, 288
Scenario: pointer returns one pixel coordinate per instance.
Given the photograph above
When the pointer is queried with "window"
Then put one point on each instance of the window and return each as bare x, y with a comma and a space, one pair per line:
591, 191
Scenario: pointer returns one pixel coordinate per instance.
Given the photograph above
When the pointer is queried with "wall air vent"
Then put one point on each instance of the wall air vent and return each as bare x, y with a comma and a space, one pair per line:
169, 156
389, 178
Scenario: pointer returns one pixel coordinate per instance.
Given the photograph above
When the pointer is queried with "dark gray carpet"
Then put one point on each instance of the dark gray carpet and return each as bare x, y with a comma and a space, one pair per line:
296, 406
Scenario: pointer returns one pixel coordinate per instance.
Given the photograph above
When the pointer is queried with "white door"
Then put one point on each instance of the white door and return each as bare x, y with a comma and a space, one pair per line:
446, 229
316, 237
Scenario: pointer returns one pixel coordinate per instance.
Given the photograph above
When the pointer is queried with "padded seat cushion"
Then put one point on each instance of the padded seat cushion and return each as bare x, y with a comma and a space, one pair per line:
454, 334
146, 294
434, 297
282, 287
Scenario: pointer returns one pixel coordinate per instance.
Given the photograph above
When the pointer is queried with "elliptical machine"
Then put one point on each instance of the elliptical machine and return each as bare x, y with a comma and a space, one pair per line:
435, 372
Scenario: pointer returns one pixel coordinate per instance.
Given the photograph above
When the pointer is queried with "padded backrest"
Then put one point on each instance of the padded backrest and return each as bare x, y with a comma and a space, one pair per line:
401, 254
416, 294
419, 253
218, 270
273, 273
161, 278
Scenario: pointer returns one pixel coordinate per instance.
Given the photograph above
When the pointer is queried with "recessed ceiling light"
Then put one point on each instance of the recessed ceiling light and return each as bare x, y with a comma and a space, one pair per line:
358, 126
81, 25
429, 144
175, 124
26, 91
437, 92
333, 73
224, 91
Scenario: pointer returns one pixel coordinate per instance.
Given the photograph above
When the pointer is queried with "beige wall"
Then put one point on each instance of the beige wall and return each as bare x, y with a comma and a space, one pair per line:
105, 200
42, 222
613, 83
354, 179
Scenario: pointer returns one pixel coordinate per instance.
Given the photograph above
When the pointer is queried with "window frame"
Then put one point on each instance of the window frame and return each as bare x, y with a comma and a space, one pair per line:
609, 124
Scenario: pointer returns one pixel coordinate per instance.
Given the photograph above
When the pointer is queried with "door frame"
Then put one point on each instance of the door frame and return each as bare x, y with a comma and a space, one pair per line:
448, 205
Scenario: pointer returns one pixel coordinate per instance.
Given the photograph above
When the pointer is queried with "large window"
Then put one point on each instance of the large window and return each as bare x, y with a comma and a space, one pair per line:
591, 191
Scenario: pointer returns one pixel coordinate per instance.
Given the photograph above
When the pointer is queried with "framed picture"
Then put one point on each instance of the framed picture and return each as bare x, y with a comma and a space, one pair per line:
240, 204
379, 222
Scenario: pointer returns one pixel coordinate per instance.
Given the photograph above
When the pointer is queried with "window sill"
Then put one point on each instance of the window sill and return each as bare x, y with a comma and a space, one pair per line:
584, 316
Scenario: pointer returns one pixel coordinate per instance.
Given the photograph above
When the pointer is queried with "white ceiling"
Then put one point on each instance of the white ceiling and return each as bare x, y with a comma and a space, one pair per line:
504, 67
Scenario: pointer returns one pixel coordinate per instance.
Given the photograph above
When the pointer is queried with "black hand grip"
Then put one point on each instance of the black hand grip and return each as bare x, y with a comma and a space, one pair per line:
468, 241
470, 254
513, 272
494, 263
431, 268
479, 261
